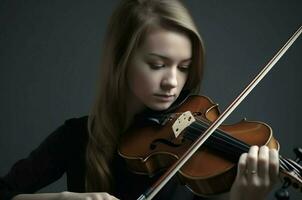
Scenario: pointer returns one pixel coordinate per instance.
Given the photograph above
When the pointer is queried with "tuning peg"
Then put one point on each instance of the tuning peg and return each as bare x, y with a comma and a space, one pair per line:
298, 152
282, 194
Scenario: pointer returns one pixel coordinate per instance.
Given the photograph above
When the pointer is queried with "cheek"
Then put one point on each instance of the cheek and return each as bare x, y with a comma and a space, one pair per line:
182, 79
141, 82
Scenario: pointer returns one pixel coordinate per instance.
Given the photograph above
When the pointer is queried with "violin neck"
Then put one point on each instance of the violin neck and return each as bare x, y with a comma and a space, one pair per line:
221, 142
231, 148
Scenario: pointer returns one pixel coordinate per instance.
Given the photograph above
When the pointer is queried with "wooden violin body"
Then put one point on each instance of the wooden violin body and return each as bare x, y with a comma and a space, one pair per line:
212, 169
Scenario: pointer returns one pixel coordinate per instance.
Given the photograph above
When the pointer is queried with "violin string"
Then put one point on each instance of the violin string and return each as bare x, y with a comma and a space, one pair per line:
225, 146
218, 146
223, 134
296, 166
291, 165
241, 147
283, 165
227, 142
233, 146
221, 143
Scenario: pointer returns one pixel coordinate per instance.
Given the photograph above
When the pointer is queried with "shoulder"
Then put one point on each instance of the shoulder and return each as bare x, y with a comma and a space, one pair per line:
77, 122
71, 133
75, 128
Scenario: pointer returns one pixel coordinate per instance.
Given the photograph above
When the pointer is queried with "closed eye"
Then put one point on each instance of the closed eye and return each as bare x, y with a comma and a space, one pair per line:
156, 66
184, 67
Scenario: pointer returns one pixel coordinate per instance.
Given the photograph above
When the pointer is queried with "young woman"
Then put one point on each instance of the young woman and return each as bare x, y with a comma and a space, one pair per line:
153, 59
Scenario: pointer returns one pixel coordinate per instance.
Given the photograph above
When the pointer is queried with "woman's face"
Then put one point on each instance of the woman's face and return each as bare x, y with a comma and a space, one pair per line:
158, 69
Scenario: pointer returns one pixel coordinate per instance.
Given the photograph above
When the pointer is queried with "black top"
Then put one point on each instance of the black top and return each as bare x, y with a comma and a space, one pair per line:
63, 151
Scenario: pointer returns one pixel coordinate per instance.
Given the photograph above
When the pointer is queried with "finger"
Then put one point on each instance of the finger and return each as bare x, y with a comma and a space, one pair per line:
94, 196
242, 165
252, 158
101, 196
114, 198
263, 162
273, 164
110, 197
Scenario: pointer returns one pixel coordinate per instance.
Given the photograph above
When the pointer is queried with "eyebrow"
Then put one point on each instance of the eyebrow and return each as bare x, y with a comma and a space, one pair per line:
167, 58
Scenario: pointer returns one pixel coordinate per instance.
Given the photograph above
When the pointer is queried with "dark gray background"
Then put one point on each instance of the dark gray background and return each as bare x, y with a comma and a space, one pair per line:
50, 51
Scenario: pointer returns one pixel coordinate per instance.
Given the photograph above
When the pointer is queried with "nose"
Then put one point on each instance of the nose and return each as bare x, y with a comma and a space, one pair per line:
169, 80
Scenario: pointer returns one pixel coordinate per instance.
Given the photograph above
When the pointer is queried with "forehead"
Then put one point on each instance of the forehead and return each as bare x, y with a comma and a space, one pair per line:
170, 43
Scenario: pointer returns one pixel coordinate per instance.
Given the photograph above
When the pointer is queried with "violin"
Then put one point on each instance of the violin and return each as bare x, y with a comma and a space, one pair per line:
193, 143
152, 147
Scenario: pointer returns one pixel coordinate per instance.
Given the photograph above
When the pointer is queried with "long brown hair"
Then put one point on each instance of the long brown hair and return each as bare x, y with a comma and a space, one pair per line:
127, 26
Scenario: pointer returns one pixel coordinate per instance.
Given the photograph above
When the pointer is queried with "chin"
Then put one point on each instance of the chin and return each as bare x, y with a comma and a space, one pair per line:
160, 107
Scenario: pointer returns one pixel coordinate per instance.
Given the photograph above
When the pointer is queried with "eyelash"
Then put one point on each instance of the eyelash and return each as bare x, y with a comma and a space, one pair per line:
154, 66
183, 68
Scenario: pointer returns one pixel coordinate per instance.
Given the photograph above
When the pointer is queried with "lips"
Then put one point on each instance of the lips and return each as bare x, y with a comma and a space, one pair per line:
165, 97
